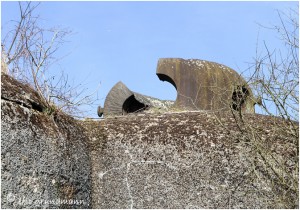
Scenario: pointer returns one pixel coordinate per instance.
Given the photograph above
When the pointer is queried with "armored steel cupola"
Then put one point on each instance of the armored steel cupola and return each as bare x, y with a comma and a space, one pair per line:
204, 85
200, 85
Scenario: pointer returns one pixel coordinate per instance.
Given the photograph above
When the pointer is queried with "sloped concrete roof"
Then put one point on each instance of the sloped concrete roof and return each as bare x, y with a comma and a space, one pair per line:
192, 160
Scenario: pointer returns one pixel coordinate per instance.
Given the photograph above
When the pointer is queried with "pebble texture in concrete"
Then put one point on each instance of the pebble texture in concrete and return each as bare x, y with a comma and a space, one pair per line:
147, 160
184, 160
45, 159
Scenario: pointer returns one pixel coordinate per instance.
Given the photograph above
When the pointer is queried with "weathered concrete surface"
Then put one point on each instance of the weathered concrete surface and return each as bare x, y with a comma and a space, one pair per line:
204, 85
147, 160
121, 101
187, 160
45, 161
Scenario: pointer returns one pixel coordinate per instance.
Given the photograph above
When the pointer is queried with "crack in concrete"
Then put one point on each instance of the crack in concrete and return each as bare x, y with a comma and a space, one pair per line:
128, 168
100, 175
128, 165
32, 105
128, 185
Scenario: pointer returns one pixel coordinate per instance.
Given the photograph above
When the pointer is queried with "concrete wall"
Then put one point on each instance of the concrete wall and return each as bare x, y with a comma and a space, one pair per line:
171, 160
184, 160
45, 161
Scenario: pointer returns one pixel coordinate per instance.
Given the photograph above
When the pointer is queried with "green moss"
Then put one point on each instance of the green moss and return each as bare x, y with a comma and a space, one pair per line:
50, 110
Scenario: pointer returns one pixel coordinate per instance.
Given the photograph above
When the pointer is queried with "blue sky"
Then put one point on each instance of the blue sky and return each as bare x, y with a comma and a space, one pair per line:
115, 41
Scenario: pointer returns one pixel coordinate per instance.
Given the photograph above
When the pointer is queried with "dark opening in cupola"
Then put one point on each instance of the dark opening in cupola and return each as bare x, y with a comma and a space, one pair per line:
132, 105
239, 96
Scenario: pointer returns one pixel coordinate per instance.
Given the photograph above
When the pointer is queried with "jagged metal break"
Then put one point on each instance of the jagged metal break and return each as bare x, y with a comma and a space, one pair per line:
204, 85
121, 101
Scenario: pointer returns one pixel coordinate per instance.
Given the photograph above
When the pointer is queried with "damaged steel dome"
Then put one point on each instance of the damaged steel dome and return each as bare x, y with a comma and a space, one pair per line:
121, 101
204, 85
200, 85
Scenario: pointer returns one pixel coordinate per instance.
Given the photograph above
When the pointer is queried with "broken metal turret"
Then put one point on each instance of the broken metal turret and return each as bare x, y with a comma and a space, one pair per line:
200, 85
121, 101
204, 85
